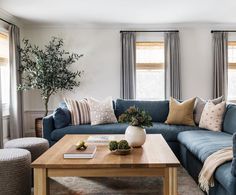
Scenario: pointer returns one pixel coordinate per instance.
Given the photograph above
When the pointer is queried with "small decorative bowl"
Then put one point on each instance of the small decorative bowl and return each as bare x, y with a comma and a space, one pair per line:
122, 151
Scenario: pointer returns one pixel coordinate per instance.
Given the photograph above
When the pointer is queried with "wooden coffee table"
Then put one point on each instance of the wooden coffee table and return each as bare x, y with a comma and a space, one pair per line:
154, 158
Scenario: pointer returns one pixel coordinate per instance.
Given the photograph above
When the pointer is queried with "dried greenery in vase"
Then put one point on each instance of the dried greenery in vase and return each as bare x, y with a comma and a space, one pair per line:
136, 117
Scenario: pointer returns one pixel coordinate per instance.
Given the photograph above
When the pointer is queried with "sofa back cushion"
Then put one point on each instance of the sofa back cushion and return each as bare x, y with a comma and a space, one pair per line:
229, 124
61, 117
233, 166
157, 109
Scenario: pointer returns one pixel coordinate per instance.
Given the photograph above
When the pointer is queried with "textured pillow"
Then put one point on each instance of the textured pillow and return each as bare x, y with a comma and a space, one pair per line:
199, 106
181, 113
80, 112
212, 116
61, 117
101, 112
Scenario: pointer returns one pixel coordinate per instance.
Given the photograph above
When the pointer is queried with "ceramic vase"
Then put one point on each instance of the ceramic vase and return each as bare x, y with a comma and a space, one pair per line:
135, 136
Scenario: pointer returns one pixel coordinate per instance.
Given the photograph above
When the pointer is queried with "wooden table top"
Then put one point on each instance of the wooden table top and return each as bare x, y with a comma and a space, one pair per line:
154, 153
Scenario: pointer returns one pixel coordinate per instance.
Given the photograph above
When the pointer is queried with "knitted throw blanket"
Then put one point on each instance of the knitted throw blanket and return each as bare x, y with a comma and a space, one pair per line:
216, 159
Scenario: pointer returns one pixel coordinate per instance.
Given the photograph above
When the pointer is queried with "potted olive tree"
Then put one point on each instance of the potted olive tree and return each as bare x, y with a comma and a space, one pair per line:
138, 119
47, 70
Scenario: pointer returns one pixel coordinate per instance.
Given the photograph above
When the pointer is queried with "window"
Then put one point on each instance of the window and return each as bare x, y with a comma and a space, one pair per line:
232, 70
150, 75
4, 69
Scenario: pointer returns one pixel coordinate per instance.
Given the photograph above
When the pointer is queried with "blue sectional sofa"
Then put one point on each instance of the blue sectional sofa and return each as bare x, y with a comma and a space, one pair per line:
192, 145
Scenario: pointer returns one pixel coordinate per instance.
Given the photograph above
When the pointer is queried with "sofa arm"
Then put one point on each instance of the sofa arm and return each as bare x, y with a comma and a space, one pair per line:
233, 166
48, 127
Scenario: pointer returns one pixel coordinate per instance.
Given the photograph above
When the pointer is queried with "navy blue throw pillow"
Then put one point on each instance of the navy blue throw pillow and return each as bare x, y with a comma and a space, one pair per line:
61, 117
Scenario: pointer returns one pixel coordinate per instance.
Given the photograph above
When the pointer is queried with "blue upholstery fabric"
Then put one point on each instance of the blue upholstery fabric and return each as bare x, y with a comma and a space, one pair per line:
233, 168
225, 178
48, 127
203, 143
61, 117
169, 132
63, 105
223, 182
229, 124
157, 109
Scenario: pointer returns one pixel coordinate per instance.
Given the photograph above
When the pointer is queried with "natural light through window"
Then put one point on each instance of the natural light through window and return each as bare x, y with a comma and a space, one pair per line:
4, 68
150, 78
232, 70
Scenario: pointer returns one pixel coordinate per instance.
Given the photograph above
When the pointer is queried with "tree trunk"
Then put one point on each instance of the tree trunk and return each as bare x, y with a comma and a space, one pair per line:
46, 99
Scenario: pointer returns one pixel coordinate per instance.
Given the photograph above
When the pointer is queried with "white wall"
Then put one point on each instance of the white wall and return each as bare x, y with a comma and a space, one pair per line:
100, 63
102, 55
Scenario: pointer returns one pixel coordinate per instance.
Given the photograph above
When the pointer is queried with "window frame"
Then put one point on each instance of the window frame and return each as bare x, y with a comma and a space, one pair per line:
231, 66
151, 66
4, 34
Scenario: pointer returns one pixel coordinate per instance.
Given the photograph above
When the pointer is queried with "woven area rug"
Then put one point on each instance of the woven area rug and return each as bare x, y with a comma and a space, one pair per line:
120, 186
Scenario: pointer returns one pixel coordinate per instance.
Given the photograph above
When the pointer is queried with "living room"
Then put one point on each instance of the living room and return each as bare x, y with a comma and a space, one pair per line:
171, 63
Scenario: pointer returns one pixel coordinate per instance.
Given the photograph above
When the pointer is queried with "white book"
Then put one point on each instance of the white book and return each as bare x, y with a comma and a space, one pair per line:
74, 153
100, 138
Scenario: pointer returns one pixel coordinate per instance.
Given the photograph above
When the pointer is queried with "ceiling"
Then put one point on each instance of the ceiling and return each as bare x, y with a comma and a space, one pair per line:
121, 11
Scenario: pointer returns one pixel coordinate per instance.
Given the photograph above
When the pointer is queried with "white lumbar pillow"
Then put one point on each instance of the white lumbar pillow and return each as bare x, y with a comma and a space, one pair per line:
212, 116
101, 112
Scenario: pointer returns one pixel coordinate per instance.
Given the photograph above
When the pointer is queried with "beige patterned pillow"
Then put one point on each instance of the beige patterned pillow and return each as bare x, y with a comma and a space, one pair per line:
212, 116
101, 112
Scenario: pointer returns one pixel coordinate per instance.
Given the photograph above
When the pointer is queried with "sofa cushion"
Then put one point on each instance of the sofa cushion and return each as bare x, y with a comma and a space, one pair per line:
203, 143
61, 117
101, 111
225, 178
213, 116
157, 109
229, 124
169, 132
181, 113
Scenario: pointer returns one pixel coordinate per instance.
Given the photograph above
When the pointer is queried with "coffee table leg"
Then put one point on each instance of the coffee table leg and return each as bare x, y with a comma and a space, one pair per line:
170, 181
41, 182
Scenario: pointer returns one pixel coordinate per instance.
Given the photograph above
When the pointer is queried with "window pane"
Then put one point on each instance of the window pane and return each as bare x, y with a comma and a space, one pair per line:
5, 84
150, 54
150, 84
232, 84
232, 54
4, 68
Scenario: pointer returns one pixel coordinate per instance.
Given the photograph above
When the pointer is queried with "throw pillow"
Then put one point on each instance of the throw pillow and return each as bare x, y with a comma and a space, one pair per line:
199, 106
212, 116
61, 117
181, 113
101, 112
80, 112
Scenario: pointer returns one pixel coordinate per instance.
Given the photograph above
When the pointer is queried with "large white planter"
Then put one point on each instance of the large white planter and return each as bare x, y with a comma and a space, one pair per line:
135, 136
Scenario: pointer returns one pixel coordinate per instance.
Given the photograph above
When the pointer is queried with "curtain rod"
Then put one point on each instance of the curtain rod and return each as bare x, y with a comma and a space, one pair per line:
6, 21
148, 31
223, 31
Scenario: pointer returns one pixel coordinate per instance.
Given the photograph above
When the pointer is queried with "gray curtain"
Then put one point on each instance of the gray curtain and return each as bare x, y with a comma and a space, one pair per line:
172, 65
16, 129
128, 67
220, 62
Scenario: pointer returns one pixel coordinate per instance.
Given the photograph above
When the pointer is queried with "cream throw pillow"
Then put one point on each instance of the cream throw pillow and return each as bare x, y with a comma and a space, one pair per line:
101, 112
212, 116
181, 113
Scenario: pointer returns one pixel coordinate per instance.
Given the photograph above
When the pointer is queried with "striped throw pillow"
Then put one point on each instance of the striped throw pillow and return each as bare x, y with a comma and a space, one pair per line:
80, 112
